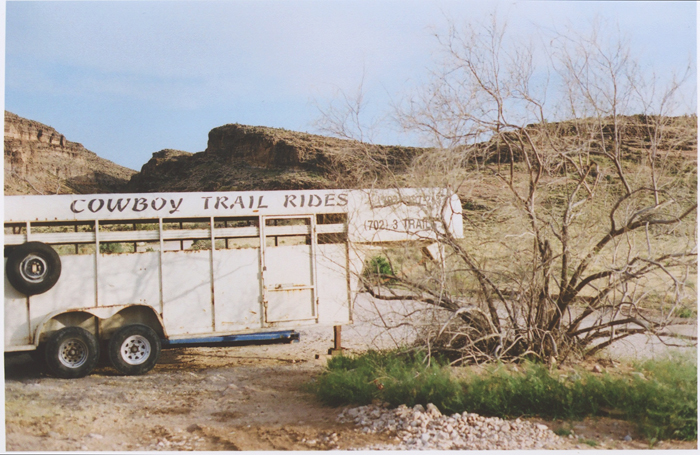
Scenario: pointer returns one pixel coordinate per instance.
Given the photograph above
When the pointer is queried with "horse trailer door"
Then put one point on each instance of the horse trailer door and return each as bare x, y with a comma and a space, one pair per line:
288, 247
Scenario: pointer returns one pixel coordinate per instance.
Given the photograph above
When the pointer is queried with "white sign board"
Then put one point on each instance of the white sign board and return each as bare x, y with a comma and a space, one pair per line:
402, 214
373, 215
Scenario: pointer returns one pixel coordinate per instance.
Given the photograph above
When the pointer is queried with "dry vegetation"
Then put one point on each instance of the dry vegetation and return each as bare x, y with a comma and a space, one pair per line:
579, 233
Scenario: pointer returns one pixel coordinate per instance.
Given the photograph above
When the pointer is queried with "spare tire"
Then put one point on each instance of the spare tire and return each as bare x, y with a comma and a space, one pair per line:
33, 268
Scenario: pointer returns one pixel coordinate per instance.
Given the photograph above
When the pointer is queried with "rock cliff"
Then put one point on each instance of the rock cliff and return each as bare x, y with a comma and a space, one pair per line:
240, 158
40, 160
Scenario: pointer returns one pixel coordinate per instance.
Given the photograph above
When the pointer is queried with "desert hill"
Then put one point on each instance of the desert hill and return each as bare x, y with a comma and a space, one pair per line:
40, 160
240, 157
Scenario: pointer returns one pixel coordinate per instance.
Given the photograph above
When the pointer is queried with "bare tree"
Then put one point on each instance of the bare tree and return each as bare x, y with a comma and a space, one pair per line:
581, 230
361, 160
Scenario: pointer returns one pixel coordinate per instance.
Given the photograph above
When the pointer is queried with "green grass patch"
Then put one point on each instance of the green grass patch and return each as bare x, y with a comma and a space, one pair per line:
379, 268
665, 401
392, 378
590, 442
659, 396
685, 313
562, 432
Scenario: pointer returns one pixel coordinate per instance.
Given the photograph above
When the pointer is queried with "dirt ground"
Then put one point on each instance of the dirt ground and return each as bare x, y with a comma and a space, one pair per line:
236, 398
211, 399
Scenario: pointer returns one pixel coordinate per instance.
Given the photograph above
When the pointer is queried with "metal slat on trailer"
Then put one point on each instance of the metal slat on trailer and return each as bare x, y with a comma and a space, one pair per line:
184, 234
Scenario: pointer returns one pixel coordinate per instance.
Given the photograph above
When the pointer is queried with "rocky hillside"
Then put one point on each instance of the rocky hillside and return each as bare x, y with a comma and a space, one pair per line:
40, 160
240, 158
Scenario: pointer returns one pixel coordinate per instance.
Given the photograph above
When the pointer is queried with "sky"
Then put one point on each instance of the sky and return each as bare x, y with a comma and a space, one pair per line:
129, 78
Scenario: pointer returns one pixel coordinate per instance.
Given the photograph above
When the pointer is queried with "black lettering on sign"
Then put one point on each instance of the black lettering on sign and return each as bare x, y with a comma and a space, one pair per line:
140, 204
238, 201
73, 208
118, 204
418, 223
175, 207
289, 199
91, 205
343, 199
221, 200
312, 200
330, 200
154, 205
260, 206
206, 201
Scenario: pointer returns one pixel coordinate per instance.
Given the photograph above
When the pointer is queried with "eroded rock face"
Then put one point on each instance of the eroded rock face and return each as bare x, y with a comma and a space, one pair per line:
271, 147
165, 170
241, 158
40, 160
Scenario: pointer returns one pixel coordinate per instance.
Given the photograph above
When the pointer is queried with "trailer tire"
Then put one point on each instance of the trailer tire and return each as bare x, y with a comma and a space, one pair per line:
39, 355
71, 352
134, 349
33, 268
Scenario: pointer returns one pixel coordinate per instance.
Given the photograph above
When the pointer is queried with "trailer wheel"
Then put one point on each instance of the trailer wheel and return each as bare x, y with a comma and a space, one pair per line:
39, 354
33, 268
71, 352
134, 349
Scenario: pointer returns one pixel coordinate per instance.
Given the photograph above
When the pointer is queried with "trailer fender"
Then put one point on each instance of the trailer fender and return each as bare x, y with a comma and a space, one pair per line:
132, 314
102, 314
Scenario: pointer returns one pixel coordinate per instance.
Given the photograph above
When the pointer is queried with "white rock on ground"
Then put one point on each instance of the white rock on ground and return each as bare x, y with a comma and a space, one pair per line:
427, 428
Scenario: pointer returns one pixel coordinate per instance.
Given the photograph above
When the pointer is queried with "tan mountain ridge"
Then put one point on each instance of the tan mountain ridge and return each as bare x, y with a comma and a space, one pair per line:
40, 160
240, 158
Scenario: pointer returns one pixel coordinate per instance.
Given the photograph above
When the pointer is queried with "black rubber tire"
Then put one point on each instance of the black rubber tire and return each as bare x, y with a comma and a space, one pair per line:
71, 352
33, 268
39, 355
134, 349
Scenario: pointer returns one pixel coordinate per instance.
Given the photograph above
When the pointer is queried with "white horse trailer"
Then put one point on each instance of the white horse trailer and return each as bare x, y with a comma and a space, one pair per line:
130, 273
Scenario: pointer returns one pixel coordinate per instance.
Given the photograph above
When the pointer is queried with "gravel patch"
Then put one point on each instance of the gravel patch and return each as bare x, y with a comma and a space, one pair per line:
420, 428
